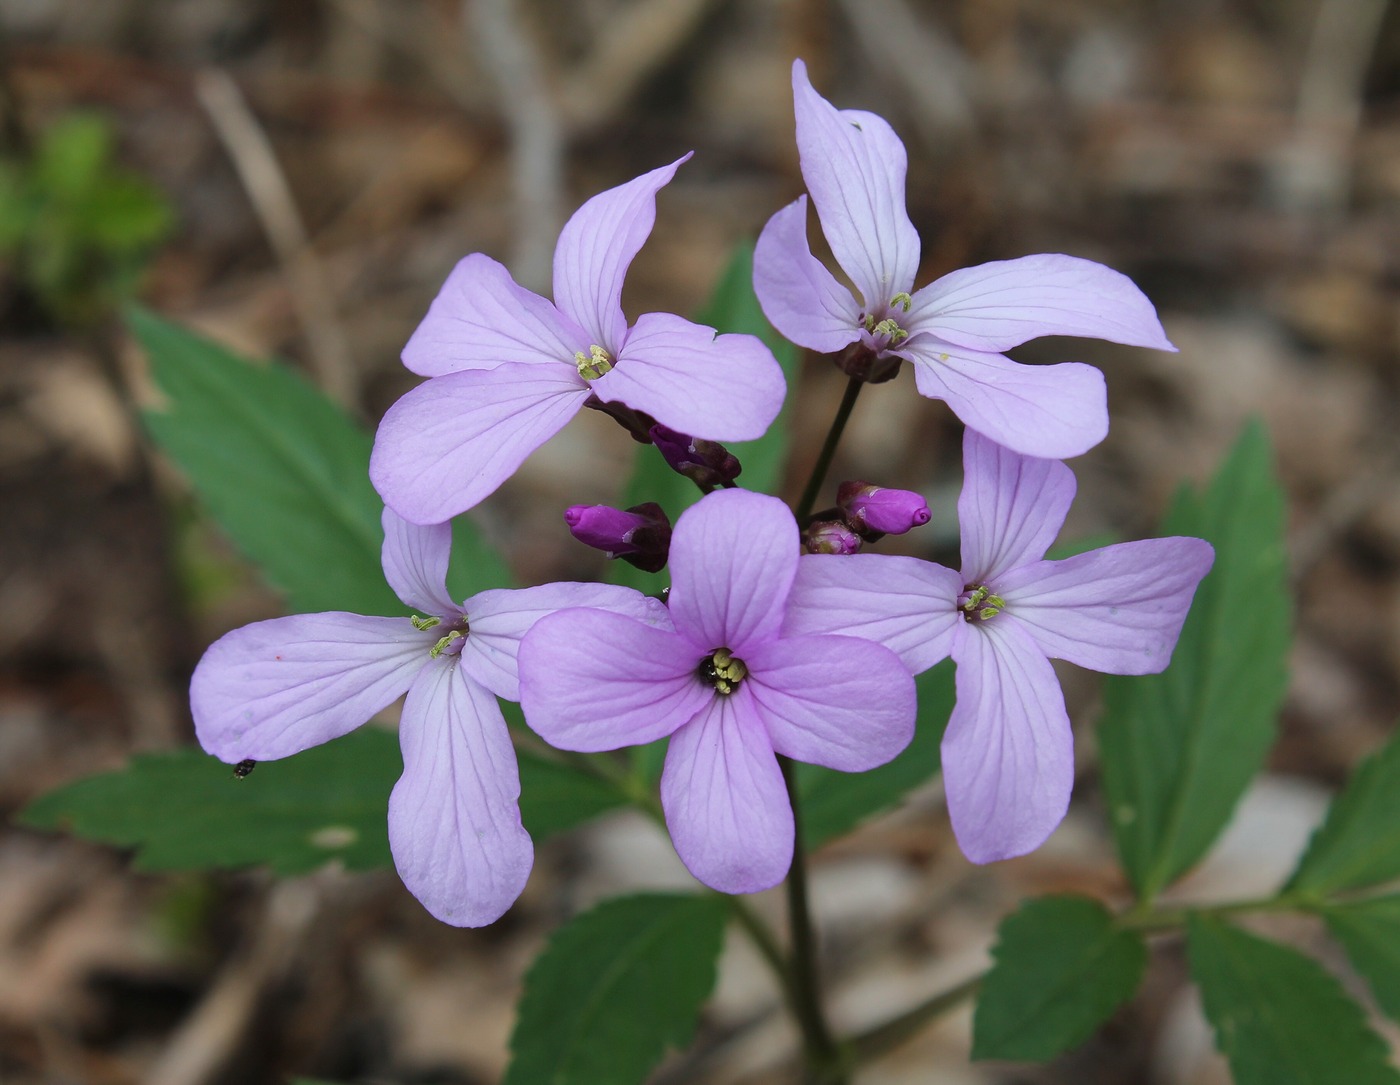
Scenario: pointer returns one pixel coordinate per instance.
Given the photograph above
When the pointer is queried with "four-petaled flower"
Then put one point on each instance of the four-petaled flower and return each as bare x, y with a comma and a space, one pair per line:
509, 369
1008, 758
274, 688
953, 330
727, 684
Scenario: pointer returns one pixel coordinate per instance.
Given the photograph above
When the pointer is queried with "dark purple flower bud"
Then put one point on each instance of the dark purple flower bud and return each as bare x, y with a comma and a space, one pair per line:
876, 510
708, 464
830, 537
640, 535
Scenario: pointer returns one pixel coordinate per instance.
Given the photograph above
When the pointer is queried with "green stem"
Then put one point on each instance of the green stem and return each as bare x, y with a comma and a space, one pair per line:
824, 457
885, 1037
1146, 920
822, 1056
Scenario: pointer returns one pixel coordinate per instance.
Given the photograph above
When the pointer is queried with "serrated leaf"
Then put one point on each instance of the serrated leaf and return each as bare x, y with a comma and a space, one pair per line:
1358, 844
1279, 1017
1370, 933
184, 810
614, 988
284, 473
1179, 748
834, 803
555, 797
1061, 968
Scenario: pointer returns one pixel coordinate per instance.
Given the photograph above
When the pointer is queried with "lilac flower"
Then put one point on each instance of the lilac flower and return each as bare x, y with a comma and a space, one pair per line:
729, 687
274, 688
640, 535
1008, 758
508, 369
953, 330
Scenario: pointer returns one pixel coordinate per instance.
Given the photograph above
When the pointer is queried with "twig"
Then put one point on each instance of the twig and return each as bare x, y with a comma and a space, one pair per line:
248, 146
1316, 166
536, 136
209, 1037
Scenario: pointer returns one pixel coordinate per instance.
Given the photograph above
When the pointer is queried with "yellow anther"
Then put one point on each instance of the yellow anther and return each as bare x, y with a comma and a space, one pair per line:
594, 364
442, 645
424, 623
903, 300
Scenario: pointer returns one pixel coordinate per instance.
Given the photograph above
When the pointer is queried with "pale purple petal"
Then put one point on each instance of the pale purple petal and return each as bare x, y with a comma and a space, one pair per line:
450, 442
454, 815
499, 618
415, 563
1008, 753
1117, 610
482, 318
908, 605
841, 702
715, 387
854, 166
733, 557
799, 296
595, 249
591, 680
1055, 411
275, 688
726, 805
996, 306
1010, 509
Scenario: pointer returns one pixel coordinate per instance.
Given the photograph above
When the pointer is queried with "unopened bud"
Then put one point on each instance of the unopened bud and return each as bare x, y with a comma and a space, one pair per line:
830, 537
876, 510
708, 464
640, 535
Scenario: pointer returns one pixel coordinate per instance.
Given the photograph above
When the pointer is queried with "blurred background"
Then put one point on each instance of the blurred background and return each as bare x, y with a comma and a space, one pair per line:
297, 178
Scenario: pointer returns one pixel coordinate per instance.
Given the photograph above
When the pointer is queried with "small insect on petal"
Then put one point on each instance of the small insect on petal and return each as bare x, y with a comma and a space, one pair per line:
243, 768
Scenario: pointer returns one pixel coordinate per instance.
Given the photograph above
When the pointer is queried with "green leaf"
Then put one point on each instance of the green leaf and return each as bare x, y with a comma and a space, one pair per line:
283, 471
834, 803
1279, 1017
185, 810
1179, 748
1061, 967
1370, 932
555, 797
614, 988
1358, 845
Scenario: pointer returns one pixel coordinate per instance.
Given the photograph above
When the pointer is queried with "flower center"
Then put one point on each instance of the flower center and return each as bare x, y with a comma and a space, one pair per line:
978, 604
594, 364
722, 671
453, 636
886, 330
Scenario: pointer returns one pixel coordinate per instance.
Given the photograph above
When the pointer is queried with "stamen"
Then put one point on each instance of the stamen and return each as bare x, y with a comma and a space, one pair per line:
723, 671
445, 643
594, 364
889, 326
978, 604
424, 624
903, 300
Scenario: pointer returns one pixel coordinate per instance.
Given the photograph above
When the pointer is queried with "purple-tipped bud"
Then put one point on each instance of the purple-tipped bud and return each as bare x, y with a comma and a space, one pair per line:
708, 464
830, 537
640, 535
875, 510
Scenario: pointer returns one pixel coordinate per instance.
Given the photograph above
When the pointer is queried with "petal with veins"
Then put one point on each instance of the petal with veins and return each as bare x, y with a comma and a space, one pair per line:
454, 815
726, 805
717, 387
733, 558
1118, 610
798, 295
591, 680
1010, 509
415, 563
841, 702
1053, 411
482, 318
597, 246
908, 605
450, 442
275, 688
1008, 753
500, 618
999, 305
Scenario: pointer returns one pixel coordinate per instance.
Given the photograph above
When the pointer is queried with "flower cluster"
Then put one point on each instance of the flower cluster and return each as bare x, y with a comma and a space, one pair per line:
777, 640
